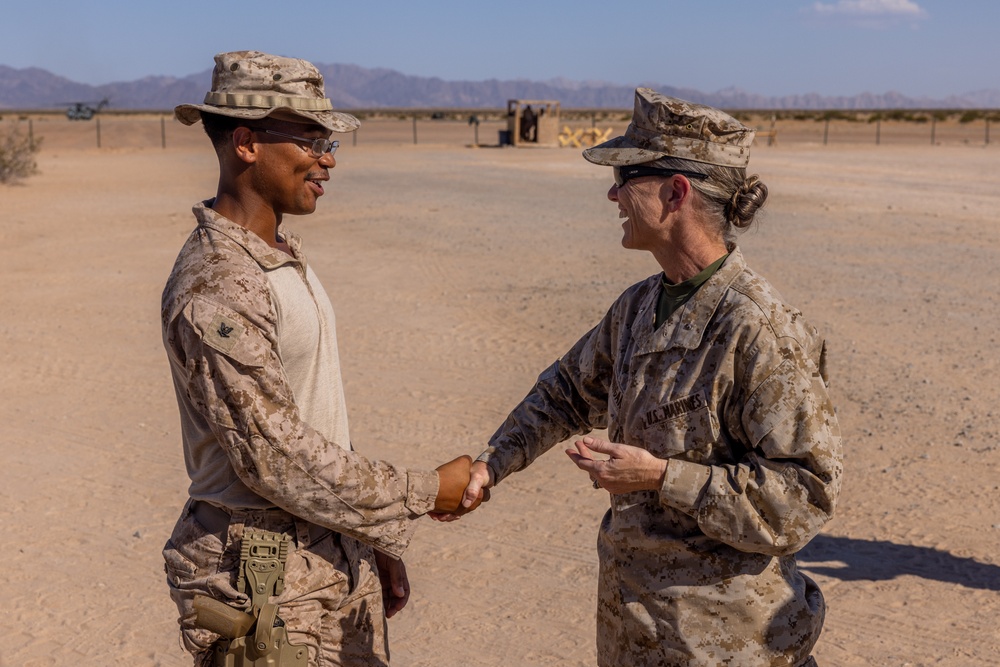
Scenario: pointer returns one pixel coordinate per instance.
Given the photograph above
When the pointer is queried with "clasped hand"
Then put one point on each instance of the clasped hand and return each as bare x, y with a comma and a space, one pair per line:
453, 500
474, 491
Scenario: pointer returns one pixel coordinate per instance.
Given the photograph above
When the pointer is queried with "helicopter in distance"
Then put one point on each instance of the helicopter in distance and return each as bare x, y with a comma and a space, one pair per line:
84, 110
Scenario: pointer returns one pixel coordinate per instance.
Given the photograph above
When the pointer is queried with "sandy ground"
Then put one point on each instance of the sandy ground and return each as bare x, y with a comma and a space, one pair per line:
457, 275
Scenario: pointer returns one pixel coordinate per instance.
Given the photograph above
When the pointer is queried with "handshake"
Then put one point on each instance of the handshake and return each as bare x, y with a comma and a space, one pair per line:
460, 480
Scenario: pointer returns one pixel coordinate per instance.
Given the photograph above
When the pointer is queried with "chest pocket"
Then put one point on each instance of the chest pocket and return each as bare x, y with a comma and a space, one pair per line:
684, 427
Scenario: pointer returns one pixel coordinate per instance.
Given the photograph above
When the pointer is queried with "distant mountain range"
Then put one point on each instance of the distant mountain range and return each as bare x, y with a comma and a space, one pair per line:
354, 87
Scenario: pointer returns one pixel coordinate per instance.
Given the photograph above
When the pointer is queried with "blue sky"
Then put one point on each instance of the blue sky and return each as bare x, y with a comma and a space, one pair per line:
931, 48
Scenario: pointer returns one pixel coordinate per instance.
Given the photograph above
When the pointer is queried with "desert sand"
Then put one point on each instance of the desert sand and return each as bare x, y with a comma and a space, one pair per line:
458, 274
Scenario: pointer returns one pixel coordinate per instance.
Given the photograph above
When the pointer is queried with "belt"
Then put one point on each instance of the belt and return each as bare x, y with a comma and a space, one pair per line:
213, 518
216, 520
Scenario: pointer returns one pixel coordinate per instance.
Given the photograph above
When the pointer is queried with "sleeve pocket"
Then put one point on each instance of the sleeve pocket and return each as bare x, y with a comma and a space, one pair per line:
774, 401
228, 332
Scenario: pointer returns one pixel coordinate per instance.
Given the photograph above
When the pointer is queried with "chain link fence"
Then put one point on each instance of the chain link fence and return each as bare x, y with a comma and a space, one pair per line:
470, 127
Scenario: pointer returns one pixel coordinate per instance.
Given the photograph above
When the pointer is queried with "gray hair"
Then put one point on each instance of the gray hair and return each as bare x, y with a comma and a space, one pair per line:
731, 197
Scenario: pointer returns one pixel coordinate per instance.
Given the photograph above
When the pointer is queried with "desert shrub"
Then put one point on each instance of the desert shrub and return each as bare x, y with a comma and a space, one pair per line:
970, 116
904, 116
835, 114
17, 156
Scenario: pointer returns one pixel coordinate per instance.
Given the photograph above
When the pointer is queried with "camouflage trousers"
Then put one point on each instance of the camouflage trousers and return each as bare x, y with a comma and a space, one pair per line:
332, 598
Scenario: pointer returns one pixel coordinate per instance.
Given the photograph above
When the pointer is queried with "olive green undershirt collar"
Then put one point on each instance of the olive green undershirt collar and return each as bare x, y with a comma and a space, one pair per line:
674, 296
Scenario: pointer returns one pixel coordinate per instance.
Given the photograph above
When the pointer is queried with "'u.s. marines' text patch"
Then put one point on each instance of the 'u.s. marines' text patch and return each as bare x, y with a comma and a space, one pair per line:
673, 409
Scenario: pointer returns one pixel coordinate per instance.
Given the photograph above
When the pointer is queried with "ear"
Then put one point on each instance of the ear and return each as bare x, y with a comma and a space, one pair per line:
244, 145
680, 191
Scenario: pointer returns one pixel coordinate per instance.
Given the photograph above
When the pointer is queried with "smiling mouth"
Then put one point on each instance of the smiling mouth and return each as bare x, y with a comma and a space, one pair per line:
317, 186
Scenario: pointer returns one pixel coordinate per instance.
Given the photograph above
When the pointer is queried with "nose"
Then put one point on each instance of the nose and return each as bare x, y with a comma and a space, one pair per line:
328, 161
613, 192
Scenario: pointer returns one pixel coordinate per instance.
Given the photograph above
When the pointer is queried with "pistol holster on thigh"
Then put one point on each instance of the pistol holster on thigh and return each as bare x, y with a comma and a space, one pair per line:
257, 639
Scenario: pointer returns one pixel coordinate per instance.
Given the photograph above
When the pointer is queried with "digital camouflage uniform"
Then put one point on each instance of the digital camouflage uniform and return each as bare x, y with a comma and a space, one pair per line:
731, 389
252, 454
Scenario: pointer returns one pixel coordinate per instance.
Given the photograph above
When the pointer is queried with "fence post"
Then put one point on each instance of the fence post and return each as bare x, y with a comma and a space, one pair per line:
98, 132
163, 131
933, 129
987, 131
354, 138
878, 131
31, 133
770, 137
414, 129
826, 131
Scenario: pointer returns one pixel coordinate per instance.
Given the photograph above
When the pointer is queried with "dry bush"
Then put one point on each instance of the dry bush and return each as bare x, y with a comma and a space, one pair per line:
17, 156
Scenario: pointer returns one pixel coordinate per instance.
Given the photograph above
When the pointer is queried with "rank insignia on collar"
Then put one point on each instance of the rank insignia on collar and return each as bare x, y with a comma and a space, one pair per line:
224, 330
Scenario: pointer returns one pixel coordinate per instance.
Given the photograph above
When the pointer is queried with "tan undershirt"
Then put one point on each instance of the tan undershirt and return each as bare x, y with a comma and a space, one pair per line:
307, 345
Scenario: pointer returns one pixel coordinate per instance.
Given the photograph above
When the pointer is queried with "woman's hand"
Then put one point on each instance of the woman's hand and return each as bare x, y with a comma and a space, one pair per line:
627, 469
464, 485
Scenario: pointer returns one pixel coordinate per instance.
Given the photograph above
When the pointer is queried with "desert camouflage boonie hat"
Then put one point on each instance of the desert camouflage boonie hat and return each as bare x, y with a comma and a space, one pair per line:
254, 85
668, 127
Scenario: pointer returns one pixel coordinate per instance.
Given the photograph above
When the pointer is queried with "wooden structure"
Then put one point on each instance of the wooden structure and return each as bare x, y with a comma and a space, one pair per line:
531, 123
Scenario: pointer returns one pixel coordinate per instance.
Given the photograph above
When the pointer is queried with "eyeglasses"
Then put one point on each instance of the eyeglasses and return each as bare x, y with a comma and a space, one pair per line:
317, 147
628, 172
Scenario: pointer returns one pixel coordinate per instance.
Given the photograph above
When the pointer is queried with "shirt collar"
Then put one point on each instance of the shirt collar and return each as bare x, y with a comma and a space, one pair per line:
693, 317
698, 311
263, 254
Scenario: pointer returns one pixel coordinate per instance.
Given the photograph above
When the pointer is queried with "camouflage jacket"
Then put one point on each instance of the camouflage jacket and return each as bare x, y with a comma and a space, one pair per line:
732, 391
246, 443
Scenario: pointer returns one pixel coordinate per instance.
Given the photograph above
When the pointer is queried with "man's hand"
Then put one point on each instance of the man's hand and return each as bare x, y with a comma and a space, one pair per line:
628, 468
395, 584
476, 491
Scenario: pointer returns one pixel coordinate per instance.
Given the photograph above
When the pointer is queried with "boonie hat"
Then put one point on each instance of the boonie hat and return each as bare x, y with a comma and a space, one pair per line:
254, 85
668, 127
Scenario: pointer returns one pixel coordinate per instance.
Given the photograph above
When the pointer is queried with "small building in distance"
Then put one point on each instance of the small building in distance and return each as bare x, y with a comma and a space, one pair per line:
531, 123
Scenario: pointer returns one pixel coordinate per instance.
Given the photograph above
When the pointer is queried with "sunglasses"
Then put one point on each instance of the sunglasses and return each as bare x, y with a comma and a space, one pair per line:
628, 172
317, 147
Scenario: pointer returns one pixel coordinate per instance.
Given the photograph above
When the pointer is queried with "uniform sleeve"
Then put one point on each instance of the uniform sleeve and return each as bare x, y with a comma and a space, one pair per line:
785, 488
235, 380
569, 397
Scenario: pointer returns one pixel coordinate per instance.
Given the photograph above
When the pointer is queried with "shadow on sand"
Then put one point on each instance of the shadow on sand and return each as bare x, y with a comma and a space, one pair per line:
875, 560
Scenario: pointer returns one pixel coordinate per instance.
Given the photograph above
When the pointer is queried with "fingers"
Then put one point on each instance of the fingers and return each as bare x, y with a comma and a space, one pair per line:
463, 486
400, 589
597, 470
400, 582
583, 462
479, 481
395, 583
582, 456
597, 445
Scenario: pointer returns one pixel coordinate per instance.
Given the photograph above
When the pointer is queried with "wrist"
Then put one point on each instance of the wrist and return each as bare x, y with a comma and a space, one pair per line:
661, 475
